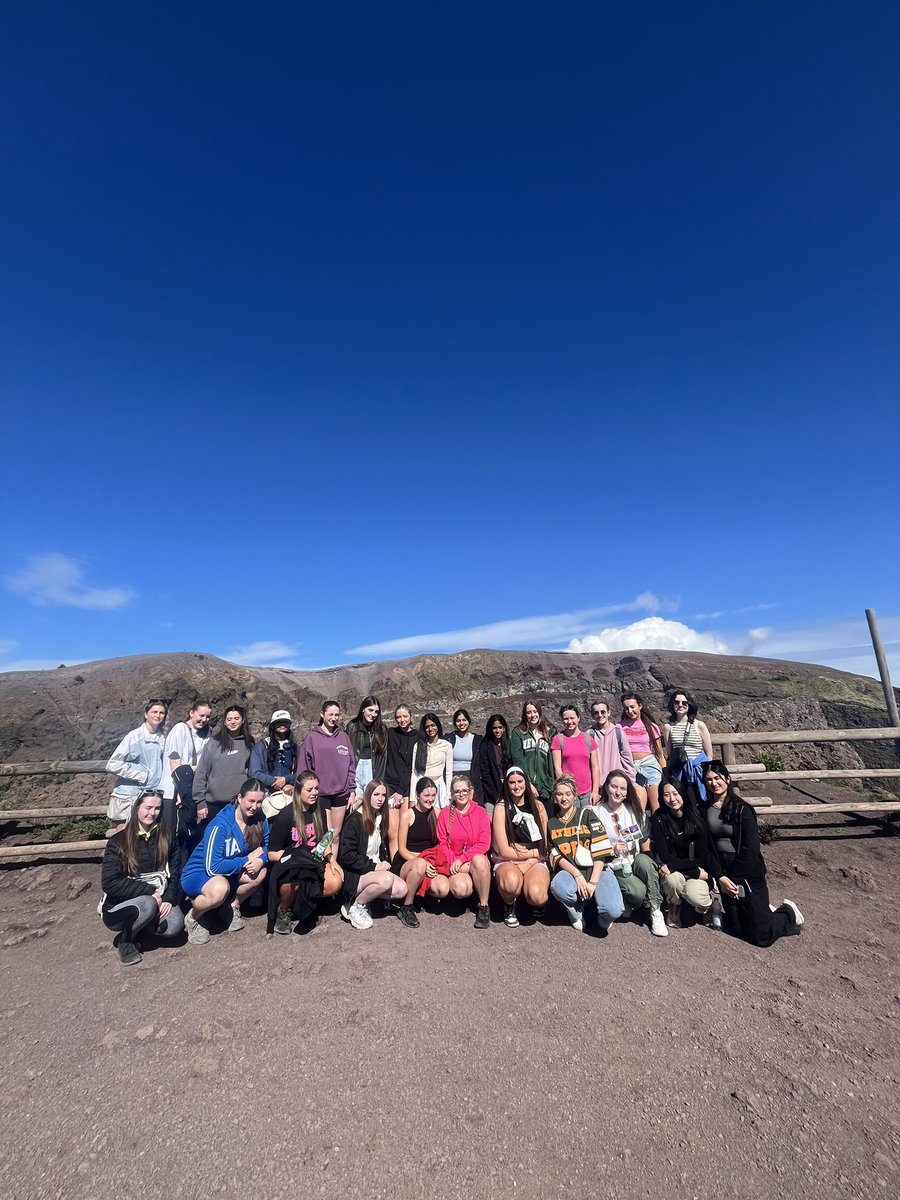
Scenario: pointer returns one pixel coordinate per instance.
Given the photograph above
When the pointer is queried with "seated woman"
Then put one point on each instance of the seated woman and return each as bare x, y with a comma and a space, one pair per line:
364, 859
464, 834
519, 851
738, 864
579, 857
686, 744
681, 848
140, 879
302, 871
418, 861
635, 870
229, 862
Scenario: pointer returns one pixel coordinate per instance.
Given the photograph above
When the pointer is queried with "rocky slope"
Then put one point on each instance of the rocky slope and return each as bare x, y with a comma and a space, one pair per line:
81, 712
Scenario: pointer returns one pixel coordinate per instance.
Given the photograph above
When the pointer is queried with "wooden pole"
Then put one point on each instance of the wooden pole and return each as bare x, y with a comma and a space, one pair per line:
884, 671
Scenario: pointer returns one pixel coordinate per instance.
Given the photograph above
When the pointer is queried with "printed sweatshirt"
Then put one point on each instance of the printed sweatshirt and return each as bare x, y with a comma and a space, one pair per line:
331, 757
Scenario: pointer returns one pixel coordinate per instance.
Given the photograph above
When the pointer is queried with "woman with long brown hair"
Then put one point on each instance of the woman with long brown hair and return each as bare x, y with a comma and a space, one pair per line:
303, 870
140, 879
519, 846
365, 860
645, 741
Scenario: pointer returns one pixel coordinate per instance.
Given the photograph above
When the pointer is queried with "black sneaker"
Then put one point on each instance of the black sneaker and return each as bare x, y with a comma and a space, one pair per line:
509, 917
284, 919
128, 953
407, 916
483, 917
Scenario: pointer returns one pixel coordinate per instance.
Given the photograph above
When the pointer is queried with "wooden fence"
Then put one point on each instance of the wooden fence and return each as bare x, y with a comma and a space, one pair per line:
723, 743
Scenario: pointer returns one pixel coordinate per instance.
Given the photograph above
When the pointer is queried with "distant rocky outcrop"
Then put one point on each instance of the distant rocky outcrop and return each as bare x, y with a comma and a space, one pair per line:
81, 712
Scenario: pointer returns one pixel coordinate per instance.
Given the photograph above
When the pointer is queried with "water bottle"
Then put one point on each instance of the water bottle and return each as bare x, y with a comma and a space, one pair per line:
626, 866
323, 844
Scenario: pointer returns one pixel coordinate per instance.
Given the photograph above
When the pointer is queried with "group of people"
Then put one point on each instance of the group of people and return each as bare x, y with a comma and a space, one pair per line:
624, 819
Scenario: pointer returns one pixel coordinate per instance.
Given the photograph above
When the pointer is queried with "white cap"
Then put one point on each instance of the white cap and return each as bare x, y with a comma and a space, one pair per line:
281, 714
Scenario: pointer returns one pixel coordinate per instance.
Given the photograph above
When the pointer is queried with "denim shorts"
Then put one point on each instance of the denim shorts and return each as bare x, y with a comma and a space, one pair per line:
649, 772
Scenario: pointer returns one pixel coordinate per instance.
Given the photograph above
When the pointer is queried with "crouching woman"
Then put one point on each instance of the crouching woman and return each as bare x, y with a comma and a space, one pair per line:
302, 870
681, 847
580, 853
229, 863
365, 860
464, 835
140, 879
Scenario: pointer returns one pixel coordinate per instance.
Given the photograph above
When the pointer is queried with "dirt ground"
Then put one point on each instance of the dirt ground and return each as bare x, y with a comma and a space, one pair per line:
449, 1062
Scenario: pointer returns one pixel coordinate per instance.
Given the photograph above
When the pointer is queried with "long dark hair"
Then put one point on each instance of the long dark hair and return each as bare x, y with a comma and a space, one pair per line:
255, 828
631, 796
377, 731
646, 717
545, 726
489, 735
129, 846
691, 703
225, 737
529, 804
691, 821
302, 814
422, 741
368, 814
423, 785
733, 804
272, 747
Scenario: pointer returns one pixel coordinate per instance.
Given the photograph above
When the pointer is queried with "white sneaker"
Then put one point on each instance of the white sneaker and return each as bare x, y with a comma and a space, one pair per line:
577, 922
658, 923
359, 916
798, 915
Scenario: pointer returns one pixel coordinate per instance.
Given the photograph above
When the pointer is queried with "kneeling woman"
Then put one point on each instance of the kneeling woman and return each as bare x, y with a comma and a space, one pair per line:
363, 856
681, 847
419, 861
740, 868
140, 879
229, 863
580, 855
519, 850
302, 869
464, 834
637, 873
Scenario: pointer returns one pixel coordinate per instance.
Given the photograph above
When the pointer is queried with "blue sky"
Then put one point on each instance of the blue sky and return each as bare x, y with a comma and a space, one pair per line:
333, 332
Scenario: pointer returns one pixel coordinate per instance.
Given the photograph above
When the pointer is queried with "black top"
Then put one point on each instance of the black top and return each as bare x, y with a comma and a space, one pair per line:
490, 772
673, 847
420, 835
281, 830
400, 746
120, 886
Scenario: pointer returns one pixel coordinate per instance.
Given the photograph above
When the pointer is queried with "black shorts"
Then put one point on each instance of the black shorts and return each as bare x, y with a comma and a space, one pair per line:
334, 801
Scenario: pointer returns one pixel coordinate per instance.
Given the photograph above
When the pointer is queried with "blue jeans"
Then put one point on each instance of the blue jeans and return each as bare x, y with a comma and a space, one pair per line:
607, 896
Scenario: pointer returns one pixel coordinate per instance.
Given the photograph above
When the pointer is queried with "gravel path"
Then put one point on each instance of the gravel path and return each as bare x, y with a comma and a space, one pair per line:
448, 1062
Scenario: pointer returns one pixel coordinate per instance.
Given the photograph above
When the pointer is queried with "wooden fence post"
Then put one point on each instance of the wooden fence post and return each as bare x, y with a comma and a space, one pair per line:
884, 671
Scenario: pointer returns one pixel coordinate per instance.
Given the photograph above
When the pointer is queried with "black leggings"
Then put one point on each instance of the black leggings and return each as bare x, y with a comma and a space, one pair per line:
130, 917
754, 921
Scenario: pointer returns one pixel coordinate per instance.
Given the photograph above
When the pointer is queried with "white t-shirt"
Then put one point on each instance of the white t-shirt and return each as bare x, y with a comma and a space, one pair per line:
462, 753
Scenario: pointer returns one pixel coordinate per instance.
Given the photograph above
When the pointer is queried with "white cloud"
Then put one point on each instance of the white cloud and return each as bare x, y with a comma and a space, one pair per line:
844, 645
652, 633
58, 579
263, 654
520, 631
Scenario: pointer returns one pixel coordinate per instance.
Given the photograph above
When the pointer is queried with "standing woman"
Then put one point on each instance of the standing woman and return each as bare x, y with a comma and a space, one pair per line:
364, 858
465, 745
274, 762
223, 764
740, 867
401, 743
645, 740
228, 863
681, 848
432, 757
137, 763
140, 878
299, 879
417, 863
687, 744
493, 760
530, 748
326, 751
368, 737
519, 847
636, 872
575, 753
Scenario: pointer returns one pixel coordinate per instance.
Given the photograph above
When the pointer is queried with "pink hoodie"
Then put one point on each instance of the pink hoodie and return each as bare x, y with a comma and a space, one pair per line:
468, 834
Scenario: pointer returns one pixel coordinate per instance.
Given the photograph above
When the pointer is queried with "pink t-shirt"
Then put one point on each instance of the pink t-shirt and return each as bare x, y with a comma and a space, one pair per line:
636, 732
575, 758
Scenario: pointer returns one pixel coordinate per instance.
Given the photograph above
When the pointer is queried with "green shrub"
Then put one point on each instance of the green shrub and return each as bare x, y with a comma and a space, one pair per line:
770, 760
769, 832
86, 829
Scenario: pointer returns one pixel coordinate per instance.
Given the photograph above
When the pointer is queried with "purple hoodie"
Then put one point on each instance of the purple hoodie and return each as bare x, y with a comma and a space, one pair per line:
332, 760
